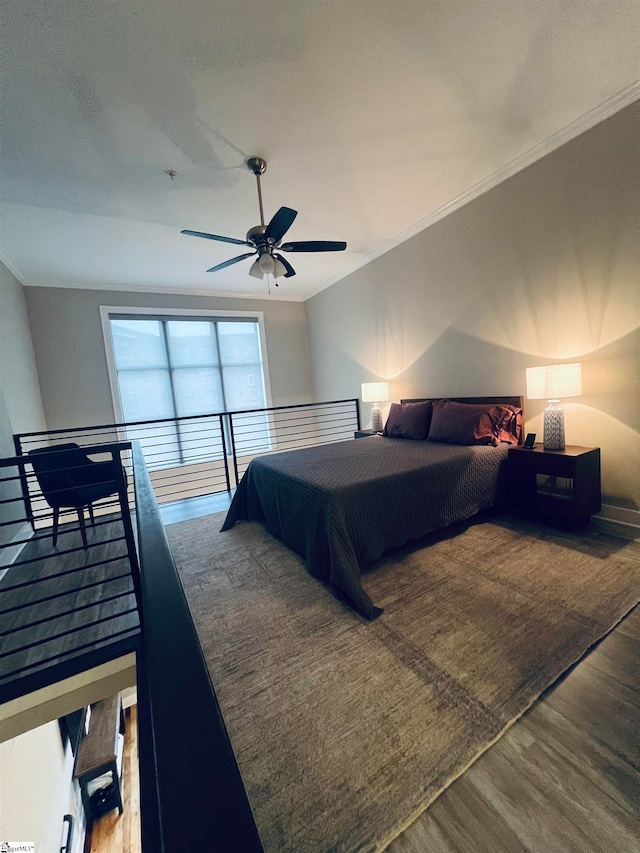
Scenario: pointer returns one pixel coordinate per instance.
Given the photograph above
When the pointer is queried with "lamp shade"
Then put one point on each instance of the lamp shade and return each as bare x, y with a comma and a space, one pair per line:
375, 392
554, 381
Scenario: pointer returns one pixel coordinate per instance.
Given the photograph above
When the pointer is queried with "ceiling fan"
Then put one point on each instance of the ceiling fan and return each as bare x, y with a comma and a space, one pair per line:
266, 240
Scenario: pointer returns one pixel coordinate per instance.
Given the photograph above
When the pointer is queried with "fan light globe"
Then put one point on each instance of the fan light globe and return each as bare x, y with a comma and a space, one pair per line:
280, 270
267, 264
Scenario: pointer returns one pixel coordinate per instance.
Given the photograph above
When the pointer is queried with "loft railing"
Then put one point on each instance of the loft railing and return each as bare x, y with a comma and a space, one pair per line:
201, 455
192, 793
69, 607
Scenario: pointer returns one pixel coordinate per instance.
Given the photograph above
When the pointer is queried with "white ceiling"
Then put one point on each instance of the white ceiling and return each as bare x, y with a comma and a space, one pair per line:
373, 117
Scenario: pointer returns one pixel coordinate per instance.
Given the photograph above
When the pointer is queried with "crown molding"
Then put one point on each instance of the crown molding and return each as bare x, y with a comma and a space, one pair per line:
170, 291
590, 119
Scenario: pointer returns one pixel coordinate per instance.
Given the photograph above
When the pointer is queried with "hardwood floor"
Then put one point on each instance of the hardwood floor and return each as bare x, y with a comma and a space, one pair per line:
564, 779
115, 833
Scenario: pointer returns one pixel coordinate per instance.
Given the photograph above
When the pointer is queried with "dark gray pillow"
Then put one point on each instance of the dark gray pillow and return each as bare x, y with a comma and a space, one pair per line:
409, 420
471, 423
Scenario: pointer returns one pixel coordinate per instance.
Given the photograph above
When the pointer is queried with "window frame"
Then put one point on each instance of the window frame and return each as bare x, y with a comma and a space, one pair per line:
107, 311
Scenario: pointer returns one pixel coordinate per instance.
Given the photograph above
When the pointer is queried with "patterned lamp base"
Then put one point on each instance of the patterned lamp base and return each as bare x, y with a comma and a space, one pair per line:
376, 418
553, 426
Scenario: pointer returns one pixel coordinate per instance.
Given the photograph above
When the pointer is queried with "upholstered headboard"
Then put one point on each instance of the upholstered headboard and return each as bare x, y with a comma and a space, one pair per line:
504, 401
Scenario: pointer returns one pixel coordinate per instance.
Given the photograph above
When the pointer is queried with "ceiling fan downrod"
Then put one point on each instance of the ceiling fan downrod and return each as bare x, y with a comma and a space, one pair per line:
258, 166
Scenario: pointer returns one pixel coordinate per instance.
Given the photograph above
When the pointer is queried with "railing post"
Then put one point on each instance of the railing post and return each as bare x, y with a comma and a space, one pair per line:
224, 452
233, 448
125, 511
24, 483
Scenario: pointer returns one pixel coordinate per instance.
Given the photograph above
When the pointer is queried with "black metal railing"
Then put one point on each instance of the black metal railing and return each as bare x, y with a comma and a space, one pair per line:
98, 594
192, 793
69, 592
200, 455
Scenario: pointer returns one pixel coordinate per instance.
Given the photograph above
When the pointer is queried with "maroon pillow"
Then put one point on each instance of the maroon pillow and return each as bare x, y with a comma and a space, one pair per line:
408, 420
473, 423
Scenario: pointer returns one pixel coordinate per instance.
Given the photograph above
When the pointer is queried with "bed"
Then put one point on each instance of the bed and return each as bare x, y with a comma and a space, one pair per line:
342, 505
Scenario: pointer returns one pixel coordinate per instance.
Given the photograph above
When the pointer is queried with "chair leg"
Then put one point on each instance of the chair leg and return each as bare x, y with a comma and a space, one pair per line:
93, 521
83, 529
56, 519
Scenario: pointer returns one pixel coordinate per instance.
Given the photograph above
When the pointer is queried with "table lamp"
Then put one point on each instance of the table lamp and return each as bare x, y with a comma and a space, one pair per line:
551, 382
376, 393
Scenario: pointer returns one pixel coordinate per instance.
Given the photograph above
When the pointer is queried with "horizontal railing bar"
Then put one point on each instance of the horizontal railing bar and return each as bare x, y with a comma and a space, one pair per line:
296, 406
320, 431
56, 595
113, 447
163, 497
280, 421
209, 454
277, 435
70, 653
170, 478
42, 514
62, 614
72, 571
70, 630
279, 417
124, 425
10, 479
70, 550
73, 487
36, 538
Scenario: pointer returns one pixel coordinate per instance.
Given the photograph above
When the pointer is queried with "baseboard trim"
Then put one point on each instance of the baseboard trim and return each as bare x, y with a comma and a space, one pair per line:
619, 520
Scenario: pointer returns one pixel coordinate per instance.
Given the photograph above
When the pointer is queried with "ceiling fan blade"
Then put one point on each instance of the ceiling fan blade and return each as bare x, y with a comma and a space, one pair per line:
314, 246
280, 224
216, 237
285, 263
231, 261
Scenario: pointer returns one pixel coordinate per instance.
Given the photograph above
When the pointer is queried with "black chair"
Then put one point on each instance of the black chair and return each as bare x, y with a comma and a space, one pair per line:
69, 479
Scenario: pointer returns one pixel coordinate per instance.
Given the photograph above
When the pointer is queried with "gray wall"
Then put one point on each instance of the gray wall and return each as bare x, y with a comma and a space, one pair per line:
20, 403
542, 268
71, 359
18, 375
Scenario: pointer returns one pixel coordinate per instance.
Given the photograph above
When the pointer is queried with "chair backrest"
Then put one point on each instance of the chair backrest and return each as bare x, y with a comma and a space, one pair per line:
56, 467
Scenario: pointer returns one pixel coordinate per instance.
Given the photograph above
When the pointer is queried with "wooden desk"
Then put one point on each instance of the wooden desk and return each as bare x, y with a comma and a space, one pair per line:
98, 754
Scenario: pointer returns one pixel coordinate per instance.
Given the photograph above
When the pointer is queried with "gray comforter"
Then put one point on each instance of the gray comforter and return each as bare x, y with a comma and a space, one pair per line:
343, 505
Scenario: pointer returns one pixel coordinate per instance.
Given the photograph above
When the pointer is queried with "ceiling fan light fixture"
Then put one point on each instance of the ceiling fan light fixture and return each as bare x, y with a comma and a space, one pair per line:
267, 264
266, 240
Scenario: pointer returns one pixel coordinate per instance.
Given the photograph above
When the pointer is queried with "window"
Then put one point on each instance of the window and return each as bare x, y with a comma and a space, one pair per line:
173, 368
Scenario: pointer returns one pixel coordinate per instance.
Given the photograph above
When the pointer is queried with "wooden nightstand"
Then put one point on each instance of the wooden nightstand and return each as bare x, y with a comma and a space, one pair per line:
533, 486
363, 433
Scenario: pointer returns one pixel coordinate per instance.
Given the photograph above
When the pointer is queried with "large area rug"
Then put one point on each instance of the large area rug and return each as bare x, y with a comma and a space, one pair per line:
346, 730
